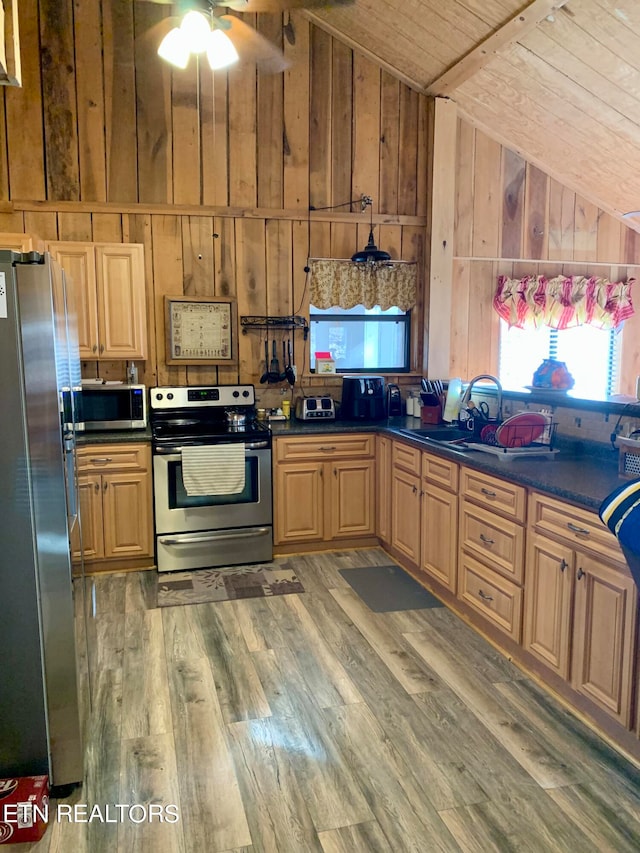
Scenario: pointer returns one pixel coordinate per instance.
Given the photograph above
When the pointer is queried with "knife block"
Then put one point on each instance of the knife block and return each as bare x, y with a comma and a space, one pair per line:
430, 414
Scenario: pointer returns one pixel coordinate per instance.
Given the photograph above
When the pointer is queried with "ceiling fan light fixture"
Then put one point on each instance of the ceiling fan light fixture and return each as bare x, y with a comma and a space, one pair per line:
174, 48
220, 50
197, 30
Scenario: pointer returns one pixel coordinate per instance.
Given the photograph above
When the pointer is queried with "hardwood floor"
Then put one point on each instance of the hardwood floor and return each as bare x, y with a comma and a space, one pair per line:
308, 723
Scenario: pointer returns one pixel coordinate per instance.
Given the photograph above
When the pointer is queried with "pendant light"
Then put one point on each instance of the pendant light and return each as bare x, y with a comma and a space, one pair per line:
371, 253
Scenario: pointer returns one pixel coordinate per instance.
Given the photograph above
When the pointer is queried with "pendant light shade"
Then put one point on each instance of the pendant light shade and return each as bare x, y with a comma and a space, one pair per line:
371, 253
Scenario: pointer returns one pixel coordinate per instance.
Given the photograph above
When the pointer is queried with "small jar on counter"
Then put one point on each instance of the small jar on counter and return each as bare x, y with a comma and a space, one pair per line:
286, 408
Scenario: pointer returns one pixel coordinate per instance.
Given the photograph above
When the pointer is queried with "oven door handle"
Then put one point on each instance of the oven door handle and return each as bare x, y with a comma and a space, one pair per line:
169, 451
212, 537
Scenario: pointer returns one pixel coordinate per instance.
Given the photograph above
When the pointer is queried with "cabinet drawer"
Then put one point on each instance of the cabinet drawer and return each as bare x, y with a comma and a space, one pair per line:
494, 494
114, 457
498, 541
440, 471
406, 457
490, 594
577, 527
324, 446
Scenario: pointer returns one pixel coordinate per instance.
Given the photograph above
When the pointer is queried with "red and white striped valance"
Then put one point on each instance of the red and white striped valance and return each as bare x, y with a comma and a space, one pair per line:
563, 302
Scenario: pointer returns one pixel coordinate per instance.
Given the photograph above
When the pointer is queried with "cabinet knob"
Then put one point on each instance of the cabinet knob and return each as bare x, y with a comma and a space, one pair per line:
96, 486
105, 486
94, 348
335, 472
580, 574
101, 347
563, 565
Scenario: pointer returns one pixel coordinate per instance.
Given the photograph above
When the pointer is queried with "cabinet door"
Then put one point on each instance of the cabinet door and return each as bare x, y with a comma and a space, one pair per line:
90, 491
126, 503
20, 242
79, 263
352, 510
122, 320
604, 630
405, 519
383, 488
548, 593
299, 502
440, 535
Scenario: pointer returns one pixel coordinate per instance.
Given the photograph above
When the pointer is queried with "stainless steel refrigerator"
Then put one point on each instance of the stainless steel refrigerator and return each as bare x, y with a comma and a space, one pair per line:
39, 367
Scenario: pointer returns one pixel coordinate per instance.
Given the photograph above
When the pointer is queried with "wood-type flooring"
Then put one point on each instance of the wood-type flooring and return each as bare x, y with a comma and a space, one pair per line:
308, 723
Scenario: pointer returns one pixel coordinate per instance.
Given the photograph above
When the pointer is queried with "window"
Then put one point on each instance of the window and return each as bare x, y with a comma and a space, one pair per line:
592, 356
362, 339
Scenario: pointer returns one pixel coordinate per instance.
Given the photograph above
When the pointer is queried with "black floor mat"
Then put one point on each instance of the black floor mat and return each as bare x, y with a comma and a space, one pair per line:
386, 588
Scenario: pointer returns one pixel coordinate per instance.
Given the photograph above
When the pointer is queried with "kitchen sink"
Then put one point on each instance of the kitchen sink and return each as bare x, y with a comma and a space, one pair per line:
444, 435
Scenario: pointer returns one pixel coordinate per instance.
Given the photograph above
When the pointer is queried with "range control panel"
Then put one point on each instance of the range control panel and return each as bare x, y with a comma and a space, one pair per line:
202, 395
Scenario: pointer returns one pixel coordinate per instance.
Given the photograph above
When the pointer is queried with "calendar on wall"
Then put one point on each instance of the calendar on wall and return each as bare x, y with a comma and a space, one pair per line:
201, 330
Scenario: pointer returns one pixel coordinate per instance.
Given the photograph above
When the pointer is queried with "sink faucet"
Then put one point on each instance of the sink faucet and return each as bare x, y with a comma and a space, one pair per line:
464, 402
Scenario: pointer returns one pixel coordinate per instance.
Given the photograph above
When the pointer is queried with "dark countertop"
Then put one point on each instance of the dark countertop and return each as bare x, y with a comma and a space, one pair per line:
125, 436
582, 473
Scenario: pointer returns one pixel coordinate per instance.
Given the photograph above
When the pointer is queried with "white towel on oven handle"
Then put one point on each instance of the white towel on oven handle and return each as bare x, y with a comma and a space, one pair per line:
213, 469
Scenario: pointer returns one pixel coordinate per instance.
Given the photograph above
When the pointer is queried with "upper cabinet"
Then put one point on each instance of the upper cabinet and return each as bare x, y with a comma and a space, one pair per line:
21, 242
108, 290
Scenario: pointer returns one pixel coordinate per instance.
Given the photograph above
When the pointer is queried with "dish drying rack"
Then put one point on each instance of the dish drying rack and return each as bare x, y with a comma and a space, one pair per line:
541, 447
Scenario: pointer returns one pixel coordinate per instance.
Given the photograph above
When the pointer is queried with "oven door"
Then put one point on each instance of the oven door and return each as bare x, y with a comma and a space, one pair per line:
176, 511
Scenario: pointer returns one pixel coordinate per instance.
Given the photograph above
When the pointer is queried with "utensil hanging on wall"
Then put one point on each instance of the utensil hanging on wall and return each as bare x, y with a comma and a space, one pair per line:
265, 376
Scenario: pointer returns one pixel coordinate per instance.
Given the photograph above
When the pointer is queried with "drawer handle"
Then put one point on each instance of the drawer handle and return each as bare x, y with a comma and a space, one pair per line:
580, 573
484, 595
488, 492
486, 539
576, 529
326, 449
103, 460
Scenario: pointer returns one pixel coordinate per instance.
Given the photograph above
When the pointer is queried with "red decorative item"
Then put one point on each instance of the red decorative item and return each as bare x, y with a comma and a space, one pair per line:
24, 809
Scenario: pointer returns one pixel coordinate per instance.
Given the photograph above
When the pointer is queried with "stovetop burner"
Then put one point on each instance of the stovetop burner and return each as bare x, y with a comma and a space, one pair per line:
198, 415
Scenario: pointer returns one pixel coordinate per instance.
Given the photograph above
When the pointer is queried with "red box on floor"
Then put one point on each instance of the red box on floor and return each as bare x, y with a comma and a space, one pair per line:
24, 809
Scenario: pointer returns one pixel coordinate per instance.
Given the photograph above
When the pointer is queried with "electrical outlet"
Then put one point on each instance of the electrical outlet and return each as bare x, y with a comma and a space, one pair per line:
577, 422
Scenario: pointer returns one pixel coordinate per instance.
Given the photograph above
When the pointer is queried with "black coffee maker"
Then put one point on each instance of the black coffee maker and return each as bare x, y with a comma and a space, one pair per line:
363, 398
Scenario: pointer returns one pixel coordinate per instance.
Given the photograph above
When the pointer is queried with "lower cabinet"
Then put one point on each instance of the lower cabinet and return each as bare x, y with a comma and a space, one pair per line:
439, 520
580, 609
491, 557
324, 488
115, 505
405, 501
383, 488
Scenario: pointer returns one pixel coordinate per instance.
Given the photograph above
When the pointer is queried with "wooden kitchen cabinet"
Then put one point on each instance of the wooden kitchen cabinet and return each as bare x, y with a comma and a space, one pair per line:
405, 501
109, 294
491, 549
439, 520
21, 242
324, 488
580, 609
383, 488
115, 505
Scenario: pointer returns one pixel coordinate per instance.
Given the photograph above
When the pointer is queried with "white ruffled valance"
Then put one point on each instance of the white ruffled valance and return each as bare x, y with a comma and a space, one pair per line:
563, 302
345, 284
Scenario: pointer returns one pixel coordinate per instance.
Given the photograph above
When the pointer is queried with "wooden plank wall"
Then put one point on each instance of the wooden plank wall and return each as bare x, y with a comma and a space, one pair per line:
215, 174
508, 210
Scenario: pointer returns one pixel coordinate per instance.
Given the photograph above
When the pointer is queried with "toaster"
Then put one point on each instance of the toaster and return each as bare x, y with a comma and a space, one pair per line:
315, 408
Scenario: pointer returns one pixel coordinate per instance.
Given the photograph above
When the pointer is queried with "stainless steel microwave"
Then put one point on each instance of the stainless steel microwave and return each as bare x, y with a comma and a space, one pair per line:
109, 407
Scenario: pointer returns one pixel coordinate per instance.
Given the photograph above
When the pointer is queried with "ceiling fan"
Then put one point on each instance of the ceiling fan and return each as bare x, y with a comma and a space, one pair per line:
201, 26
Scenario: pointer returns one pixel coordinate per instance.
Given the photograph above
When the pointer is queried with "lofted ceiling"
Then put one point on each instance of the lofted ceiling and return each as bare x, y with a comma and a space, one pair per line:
558, 82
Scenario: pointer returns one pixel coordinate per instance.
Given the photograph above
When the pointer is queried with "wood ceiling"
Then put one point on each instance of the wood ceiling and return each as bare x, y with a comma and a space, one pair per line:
559, 82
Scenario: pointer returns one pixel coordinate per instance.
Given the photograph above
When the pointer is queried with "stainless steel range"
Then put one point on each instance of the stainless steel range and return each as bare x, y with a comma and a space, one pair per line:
212, 477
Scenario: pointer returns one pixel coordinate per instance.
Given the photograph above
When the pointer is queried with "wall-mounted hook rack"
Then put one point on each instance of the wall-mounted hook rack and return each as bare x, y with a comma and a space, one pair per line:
290, 321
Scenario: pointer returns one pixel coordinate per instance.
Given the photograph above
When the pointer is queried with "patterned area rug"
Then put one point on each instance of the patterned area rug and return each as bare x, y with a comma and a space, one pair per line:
222, 584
